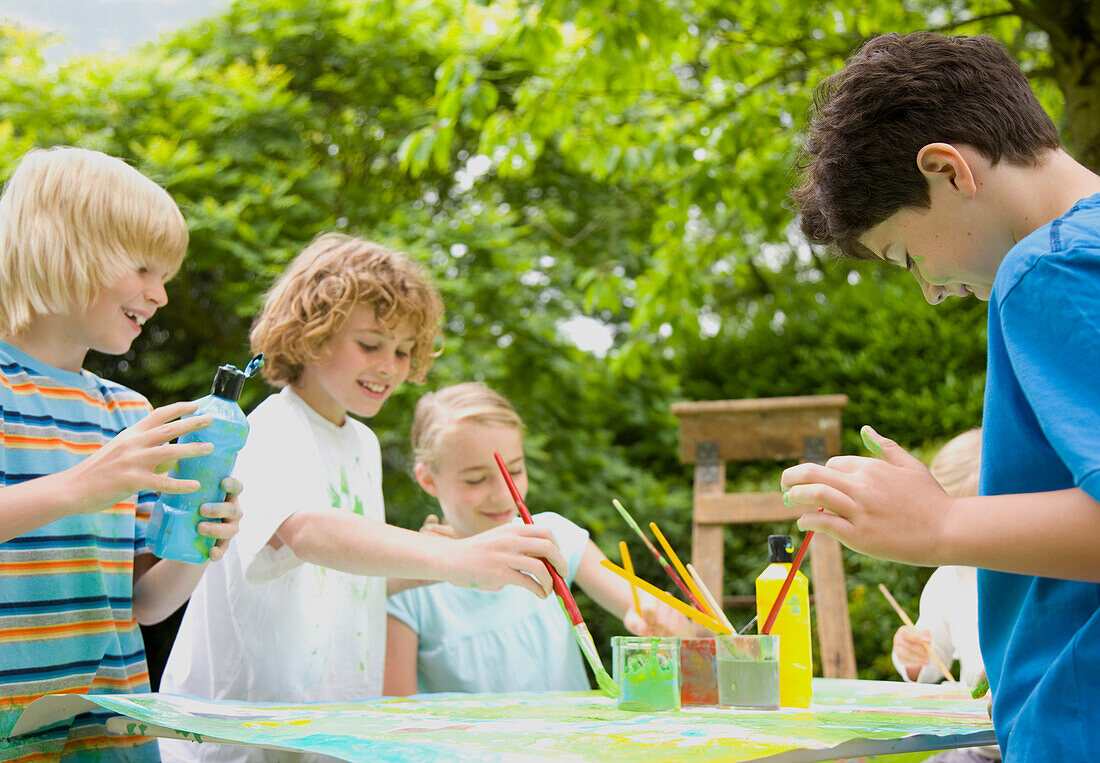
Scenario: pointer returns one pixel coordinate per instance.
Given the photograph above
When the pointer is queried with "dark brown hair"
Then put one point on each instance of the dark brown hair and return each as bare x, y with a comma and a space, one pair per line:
897, 94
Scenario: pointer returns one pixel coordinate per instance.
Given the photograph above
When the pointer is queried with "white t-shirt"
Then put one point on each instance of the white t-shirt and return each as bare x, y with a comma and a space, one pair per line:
949, 611
262, 625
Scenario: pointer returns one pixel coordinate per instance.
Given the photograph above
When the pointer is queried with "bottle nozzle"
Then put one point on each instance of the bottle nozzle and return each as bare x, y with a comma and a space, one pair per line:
780, 548
229, 380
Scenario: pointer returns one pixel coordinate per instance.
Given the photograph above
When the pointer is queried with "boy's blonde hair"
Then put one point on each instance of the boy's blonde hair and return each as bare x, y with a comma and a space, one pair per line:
438, 412
74, 221
957, 465
314, 296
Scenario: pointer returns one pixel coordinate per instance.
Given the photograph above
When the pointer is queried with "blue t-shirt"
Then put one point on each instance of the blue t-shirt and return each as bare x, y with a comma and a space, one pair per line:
66, 588
1040, 637
496, 641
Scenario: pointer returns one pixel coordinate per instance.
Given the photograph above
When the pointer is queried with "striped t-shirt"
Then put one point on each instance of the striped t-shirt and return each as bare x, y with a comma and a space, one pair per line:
66, 623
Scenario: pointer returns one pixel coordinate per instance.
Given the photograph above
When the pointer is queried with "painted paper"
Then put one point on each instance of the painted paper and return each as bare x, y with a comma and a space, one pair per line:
560, 725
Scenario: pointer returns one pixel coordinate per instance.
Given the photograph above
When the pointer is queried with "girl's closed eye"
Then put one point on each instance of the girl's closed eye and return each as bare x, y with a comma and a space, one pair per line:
368, 347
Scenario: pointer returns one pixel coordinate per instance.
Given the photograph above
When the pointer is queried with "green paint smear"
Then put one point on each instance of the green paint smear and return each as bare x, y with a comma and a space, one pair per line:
651, 681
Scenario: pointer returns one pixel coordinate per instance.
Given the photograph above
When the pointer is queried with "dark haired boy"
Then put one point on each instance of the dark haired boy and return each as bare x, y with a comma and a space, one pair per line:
932, 153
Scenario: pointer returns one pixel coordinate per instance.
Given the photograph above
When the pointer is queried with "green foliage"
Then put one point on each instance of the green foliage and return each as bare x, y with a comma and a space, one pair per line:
628, 161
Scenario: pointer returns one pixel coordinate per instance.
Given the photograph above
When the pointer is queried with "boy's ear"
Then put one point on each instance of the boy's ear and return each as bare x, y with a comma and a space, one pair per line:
943, 163
425, 479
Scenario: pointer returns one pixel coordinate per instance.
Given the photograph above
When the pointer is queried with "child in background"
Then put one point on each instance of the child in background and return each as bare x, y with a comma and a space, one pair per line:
948, 621
932, 153
297, 612
442, 638
86, 246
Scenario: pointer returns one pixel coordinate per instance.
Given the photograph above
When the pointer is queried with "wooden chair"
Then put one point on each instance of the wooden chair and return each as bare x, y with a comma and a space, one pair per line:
780, 429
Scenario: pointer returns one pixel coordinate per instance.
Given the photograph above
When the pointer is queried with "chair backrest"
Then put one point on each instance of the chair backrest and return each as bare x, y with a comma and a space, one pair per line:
715, 432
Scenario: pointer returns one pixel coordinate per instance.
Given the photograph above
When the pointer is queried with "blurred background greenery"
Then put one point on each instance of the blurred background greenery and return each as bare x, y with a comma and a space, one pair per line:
566, 169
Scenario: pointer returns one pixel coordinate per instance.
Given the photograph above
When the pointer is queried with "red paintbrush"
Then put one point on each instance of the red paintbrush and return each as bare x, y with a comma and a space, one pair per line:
778, 603
569, 604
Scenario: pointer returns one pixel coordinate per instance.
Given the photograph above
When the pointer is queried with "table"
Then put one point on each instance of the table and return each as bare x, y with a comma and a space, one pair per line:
848, 718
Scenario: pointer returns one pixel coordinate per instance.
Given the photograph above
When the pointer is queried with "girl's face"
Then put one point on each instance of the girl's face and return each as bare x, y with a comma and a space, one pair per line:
361, 365
467, 481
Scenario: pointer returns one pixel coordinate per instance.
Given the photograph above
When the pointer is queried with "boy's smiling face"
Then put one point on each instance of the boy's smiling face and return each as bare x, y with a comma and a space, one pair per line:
116, 314
954, 247
361, 365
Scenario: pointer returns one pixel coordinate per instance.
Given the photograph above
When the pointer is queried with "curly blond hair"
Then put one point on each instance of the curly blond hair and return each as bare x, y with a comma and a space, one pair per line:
74, 221
314, 296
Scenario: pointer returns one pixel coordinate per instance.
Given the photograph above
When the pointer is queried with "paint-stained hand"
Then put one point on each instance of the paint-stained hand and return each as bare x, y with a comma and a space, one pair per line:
137, 458
890, 507
911, 648
432, 526
656, 619
507, 555
228, 512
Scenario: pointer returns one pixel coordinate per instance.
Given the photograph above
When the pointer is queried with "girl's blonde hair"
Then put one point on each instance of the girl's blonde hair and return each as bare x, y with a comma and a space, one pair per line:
74, 221
438, 412
957, 465
314, 296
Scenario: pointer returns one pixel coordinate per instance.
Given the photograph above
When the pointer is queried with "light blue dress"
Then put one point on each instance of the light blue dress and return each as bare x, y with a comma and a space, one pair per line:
496, 641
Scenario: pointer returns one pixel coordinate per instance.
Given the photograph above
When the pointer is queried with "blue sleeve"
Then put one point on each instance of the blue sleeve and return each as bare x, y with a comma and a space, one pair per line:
1051, 322
407, 607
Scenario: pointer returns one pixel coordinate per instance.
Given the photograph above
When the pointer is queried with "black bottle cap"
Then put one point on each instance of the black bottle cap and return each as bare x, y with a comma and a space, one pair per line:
228, 383
780, 548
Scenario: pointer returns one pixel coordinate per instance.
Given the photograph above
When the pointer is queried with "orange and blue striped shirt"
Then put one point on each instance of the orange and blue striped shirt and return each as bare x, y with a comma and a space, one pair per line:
66, 589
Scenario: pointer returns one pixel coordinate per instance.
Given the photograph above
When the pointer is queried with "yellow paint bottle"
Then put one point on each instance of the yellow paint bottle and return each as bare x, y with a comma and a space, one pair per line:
792, 624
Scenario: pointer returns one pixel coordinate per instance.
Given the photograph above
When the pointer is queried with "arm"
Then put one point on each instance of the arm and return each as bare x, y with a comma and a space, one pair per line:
161, 586
894, 509
507, 555
402, 643
613, 594
131, 462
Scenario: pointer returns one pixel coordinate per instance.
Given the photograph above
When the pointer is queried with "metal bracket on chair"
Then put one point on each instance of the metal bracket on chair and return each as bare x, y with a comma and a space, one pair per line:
707, 462
813, 450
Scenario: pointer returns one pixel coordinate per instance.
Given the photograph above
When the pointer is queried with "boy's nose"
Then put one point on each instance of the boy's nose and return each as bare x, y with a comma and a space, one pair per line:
933, 293
157, 294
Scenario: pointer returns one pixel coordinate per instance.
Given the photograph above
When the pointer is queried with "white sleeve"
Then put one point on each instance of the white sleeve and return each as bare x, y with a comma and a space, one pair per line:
276, 467
935, 608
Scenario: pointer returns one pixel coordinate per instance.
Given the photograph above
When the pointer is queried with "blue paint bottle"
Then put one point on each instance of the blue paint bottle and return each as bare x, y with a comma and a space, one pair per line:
173, 528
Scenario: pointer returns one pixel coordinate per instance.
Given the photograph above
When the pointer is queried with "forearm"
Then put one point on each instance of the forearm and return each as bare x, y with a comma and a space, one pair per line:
1053, 534
351, 543
35, 503
604, 587
161, 586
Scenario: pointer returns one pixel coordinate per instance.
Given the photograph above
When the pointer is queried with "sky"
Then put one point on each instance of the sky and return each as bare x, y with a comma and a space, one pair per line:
96, 26
112, 26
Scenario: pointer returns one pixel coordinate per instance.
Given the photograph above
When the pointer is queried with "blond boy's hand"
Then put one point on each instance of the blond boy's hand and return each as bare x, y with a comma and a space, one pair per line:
134, 459
911, 647
889, 507
507, 555
228, 512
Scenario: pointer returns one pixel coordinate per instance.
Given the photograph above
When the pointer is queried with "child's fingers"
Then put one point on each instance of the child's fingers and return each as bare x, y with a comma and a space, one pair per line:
232, 487
810, 473
847, 464
540, 543
888, 450
174, 451
165, 484
166, 413
822, 496
221, 510
830, 524
534, 578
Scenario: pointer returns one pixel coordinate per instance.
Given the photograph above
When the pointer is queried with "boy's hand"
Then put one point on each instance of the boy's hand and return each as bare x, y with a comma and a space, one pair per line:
432, 526
912, 647
655, 619
507, 555
228, 511
134, 460
891, 508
